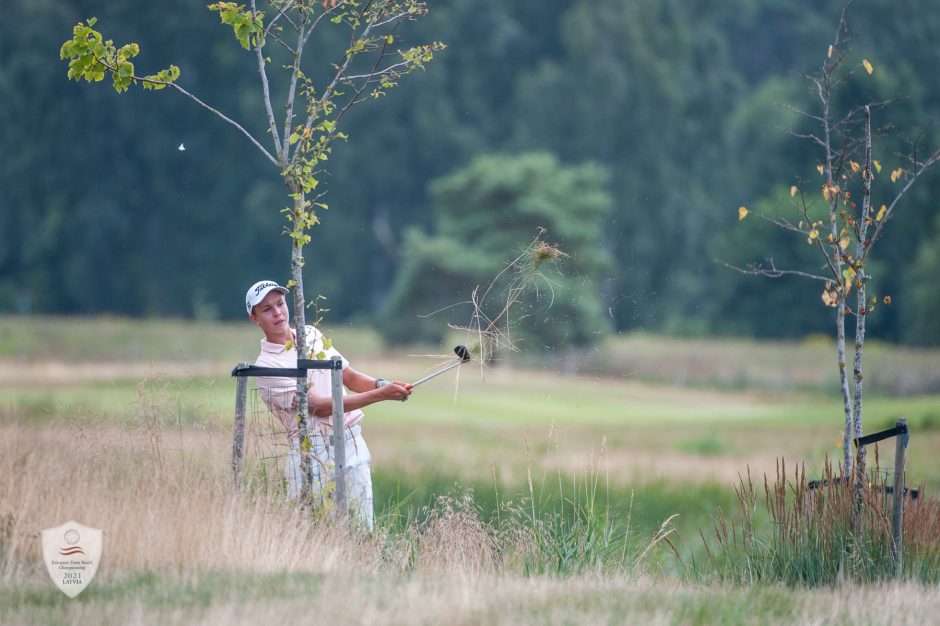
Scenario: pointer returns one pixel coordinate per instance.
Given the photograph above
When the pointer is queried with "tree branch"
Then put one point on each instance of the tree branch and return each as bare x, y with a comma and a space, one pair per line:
314, 113
280, 14
295, 73
259, 41
221, 115
224, 117
890, 209
772, 271
809, 136
801, 112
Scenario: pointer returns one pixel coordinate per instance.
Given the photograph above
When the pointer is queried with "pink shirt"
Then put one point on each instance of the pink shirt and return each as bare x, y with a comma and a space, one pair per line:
278, 392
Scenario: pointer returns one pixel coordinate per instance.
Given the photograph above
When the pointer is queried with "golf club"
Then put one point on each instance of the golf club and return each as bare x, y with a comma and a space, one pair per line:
461, 351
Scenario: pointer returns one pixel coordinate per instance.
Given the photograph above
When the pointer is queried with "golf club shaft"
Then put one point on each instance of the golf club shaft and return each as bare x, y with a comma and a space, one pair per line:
437, 373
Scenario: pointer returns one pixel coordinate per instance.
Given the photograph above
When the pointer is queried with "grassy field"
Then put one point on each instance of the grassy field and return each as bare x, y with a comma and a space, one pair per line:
136, 418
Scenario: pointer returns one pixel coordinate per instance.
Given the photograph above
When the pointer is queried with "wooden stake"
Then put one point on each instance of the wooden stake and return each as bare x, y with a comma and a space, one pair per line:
897, 520
238, 433
339, 441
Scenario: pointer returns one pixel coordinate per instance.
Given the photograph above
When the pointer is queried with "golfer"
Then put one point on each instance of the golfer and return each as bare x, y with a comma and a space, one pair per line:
268, 309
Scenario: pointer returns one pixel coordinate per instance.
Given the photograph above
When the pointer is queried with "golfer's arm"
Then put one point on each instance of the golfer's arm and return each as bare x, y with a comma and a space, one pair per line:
322, 406
357, 381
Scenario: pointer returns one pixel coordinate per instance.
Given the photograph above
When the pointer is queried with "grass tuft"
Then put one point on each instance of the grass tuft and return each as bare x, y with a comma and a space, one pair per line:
821, 536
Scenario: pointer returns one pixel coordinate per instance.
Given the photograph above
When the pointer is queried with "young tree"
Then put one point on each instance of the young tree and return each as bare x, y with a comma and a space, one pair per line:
845, 229
366, 65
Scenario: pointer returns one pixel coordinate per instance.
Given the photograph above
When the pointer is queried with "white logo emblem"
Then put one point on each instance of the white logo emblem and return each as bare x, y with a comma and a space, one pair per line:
72, 553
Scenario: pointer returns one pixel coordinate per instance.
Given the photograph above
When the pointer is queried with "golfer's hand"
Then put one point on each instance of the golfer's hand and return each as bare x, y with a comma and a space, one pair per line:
395, 390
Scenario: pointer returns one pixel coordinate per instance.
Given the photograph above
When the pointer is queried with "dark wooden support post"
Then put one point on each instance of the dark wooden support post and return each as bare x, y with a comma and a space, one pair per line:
897, 518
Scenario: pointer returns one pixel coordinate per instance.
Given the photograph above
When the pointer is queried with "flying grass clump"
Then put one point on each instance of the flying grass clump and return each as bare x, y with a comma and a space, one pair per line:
489, 332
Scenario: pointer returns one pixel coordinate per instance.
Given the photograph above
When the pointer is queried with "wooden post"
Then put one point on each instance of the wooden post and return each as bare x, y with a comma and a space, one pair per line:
339, 441
238, 433
897, 520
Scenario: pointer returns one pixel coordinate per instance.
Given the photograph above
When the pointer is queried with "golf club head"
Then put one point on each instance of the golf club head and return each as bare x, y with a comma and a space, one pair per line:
463, 352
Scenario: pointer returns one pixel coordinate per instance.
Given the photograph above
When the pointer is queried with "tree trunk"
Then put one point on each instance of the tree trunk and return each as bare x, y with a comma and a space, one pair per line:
844, 388
303, 408
861, 304
840, 301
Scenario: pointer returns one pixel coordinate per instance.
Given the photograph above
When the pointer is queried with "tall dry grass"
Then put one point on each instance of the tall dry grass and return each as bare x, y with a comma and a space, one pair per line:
826, 534
163, 497
160, 509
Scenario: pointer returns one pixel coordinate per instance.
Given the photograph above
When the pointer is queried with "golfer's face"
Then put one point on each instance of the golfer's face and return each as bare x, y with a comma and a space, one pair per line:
271, 314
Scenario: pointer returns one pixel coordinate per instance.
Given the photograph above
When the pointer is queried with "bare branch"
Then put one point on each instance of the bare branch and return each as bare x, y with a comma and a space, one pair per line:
259, 41
280, 14
833, 267
320, 17
376, 74
220, 114
282, 42
292, 91
152, 81
771, 272
800, 112
890, 208
358, 91
809, 136
394, 18
314, 113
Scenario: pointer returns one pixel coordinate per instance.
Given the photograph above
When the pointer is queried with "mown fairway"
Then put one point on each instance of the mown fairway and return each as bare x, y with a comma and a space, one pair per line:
657, 426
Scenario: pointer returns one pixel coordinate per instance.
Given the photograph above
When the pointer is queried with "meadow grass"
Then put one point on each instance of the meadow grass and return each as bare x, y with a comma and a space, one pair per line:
303, 598
823, 535
716, 363
107, 339
504, 495
652, 431
172, 511
181, 548
498, 397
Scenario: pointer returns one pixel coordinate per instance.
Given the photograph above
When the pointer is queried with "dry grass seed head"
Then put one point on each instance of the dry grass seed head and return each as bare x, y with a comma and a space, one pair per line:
454, 539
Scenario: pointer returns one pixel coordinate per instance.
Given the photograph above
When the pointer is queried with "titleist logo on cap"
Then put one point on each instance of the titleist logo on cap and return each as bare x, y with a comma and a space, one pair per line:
261, 286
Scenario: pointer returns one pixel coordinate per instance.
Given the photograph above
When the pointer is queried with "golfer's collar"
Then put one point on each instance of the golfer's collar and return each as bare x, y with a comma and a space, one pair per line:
273, 348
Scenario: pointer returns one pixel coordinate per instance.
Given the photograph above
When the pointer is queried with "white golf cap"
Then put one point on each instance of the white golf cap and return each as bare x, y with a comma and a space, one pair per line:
259, 290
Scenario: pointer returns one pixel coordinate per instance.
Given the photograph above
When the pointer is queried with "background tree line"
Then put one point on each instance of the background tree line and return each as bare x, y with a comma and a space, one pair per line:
665, 112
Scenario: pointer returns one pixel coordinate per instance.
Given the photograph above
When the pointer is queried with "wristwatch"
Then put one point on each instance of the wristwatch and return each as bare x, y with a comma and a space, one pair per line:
380, 382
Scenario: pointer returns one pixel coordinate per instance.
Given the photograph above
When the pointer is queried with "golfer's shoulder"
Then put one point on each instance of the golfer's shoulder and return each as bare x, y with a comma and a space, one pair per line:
266, 359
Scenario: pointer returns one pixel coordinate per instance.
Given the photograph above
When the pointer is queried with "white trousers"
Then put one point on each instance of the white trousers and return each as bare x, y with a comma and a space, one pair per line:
358, 473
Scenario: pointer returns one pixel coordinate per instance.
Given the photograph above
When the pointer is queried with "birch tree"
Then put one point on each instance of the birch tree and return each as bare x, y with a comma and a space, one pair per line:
304, 124
845, 229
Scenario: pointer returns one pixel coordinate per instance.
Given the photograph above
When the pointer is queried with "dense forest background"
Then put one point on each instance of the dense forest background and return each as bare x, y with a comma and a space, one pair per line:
670, 111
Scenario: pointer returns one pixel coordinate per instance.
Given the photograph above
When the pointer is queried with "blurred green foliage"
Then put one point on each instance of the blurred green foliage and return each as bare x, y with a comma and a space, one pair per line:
680, 101
485, 211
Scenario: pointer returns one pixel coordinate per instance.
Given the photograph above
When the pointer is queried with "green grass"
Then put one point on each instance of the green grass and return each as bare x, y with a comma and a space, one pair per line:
640, 508
526, 398
115, 339
244, 598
